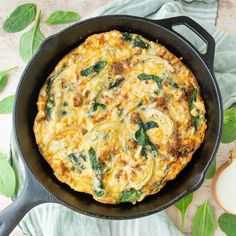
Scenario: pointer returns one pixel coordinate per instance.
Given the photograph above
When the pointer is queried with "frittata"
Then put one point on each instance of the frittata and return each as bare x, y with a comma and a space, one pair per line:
119, 117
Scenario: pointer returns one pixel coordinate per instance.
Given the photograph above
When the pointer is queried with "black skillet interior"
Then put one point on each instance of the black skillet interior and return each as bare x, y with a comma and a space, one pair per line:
42, 65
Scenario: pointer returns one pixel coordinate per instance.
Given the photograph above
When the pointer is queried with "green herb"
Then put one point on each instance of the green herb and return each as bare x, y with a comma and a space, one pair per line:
130, 195
98, 187
196, 121
120, 112
49, 106
182, 205
140, 104
229, 128
116, 84
127, 36
192, 98
97, 67
138, 42
65, 104
150, 125
227, 223
173, 84
4, 77
77, 159
20, 18
63, 113
7, 177
203, 222
31, 40
157, 79
6, 104
95, 164
62, 17
96, 105
212, 169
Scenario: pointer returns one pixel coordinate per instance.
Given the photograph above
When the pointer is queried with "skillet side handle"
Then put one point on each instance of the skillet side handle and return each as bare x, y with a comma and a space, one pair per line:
33, 194
207, 57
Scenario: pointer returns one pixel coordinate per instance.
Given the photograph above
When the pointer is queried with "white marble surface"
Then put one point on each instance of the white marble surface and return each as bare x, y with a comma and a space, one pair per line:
9, 56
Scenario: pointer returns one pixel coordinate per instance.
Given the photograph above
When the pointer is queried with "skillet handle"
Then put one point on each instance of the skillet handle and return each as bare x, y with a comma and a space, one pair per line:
207, 57
33, 194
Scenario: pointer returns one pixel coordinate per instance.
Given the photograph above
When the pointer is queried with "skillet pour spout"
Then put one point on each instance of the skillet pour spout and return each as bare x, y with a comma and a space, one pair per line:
41, 185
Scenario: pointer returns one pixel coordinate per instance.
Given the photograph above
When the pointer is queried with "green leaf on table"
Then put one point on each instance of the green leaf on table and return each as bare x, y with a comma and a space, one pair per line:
7, 177
203, 222
6, 104
227, 223
212, 169
62, 17
31, 40
20, 18
229, 128
4, 77
182, 205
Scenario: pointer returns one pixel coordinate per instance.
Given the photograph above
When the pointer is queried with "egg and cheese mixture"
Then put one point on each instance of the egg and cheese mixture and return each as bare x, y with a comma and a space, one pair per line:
119, 117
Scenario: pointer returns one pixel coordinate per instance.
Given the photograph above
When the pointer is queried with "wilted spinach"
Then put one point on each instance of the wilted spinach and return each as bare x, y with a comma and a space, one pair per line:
130, 195
127, 36
97, 67
138, 42
115, 84
157, 79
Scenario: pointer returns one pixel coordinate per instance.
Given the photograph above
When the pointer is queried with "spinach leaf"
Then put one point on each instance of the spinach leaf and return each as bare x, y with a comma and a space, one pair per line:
212, 169
98, 187
196, 121
20, 18
182, 205
127, 36
95, 164
62, 17
116, 84
7, 177
229, 128
130, 195
227, 223
97, 67
6, 104
49, 106
77, 159
96, 105
31, 40
150, 125
138, 42
140, 135
157, 79
203, 222
192, 98
4, 77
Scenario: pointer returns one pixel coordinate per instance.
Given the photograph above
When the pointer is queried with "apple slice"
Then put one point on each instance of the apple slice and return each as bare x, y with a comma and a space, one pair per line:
224, 185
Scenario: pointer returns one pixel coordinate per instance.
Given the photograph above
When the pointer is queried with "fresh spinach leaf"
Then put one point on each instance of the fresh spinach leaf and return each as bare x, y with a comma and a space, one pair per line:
20, 18
192, 98
31, 40
138, 42
49, 106
97, 67
96, 105
227, 223
62, 17
157, 79
127, 36
203, 222
6, 104
130, 195
182, 205
115, 84
7, 177
229, 128
4, 77
150, 125
212, 169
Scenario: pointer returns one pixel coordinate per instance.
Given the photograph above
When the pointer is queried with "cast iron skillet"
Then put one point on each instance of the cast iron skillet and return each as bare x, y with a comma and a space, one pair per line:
40, 184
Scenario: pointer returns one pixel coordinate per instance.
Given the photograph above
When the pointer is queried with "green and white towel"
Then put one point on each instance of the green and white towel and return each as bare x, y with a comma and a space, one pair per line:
56, 220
